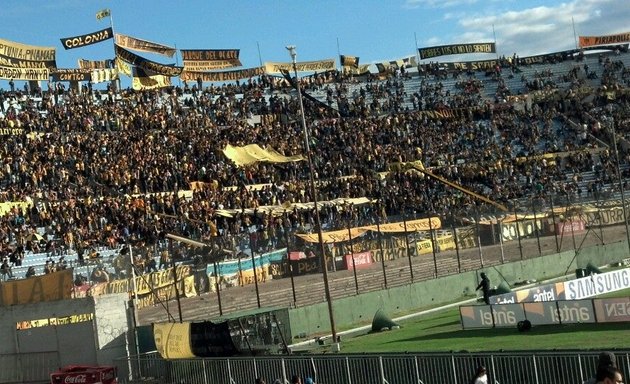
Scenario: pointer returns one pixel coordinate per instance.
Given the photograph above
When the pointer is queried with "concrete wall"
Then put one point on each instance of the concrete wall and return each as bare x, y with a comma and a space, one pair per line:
113, 322
360, 309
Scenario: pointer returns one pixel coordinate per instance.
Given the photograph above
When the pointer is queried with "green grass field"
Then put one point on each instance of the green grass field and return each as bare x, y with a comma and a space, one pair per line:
442, 332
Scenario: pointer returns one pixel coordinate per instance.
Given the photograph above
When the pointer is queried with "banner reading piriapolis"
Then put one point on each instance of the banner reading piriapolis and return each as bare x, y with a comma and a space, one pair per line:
222, 76
588, 41
210, 65
209, 54
305, 66
456, 49
130, 42
23, 73
87, 39
161, 69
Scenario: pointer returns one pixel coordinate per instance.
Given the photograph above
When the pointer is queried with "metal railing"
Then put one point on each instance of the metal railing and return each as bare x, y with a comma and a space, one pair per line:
32, 367
423, 368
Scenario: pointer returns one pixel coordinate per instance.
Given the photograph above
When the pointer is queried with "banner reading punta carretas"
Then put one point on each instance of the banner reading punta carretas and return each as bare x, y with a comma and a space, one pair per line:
456, 49
88, 39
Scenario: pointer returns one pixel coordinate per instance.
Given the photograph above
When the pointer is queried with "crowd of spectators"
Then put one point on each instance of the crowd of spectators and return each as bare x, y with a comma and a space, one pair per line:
103, 167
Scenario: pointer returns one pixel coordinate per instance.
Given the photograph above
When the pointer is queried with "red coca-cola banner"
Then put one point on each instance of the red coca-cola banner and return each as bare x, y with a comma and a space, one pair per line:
361, 260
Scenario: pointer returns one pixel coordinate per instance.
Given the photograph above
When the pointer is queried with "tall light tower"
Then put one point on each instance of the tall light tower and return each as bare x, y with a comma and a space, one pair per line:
307, 148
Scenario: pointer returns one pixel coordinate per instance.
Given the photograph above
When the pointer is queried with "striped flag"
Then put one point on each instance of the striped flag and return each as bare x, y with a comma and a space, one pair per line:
103, 13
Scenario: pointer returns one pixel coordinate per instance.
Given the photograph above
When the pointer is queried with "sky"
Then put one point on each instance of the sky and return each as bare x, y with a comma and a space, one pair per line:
370, 29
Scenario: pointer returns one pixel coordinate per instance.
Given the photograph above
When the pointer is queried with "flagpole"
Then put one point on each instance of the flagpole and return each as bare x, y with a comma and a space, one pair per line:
415, 37
339, 52
574, 34
259, 56
179, 78
494, 36
111, 25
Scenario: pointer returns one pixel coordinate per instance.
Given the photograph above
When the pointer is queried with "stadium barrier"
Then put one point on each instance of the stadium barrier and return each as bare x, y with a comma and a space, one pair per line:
536, 367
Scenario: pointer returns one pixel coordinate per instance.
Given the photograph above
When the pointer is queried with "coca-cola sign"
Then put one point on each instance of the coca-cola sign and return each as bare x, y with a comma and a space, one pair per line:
75, 379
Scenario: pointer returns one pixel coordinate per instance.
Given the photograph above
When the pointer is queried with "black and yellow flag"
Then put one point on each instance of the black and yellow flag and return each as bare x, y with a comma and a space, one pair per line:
103, 13
349, 61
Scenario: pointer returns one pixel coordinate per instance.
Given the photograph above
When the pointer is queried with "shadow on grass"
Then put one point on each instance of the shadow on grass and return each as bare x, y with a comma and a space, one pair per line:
541, 330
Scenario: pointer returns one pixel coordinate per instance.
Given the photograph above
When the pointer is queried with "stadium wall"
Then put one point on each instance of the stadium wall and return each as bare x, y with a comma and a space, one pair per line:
360, 309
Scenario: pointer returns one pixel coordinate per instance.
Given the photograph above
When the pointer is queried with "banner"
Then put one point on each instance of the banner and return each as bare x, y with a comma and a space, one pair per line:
612, 310
330, 237
362, 69
587, 41
88, 39
103, 13
144, 80
541, 293
123, 67
362, 260
253, 153
139, 61
349, 61
456, 49
598, 284
16, 63
23, 73
305, 66
209, 54
480, 65
412, 225
130, 42
25, 52
210, 65
222, 76
70, 74
95, 64
173, 340
37, 289
104, 75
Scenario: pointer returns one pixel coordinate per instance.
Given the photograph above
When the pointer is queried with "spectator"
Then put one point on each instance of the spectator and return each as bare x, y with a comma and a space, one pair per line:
605, 361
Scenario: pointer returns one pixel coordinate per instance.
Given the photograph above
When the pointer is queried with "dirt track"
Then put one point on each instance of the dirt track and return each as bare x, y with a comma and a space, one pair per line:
309, 289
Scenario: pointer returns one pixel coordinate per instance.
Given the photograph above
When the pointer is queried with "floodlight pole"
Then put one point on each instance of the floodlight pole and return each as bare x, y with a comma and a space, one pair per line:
307, 148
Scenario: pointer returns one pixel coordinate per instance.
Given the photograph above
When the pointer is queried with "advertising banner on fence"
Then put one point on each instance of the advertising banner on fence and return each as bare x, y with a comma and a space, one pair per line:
598, 284
362, 260
612, 310
546, 292
489, 316
456, 49
87, 39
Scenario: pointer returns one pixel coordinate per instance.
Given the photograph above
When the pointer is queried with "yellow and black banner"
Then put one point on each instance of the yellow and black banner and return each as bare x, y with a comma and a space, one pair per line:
349, 61
104, 75
123, 67
305, 66
456, 49
37, 289
362, 69
588, 41
139, 61
210, 65
94, 64
87, 39
23, 73
173, 340
130, 42
209, 54
70, 74
479, 65
17, 63
25, 52
222, 76
144, 80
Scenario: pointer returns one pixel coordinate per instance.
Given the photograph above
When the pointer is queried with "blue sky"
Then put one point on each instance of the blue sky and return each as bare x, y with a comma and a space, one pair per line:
373, 30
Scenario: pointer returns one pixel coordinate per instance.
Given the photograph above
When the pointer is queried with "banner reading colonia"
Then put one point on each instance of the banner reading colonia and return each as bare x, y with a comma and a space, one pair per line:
161, 69
588, 41
304, 66
130, 42
88, 39
456, 49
